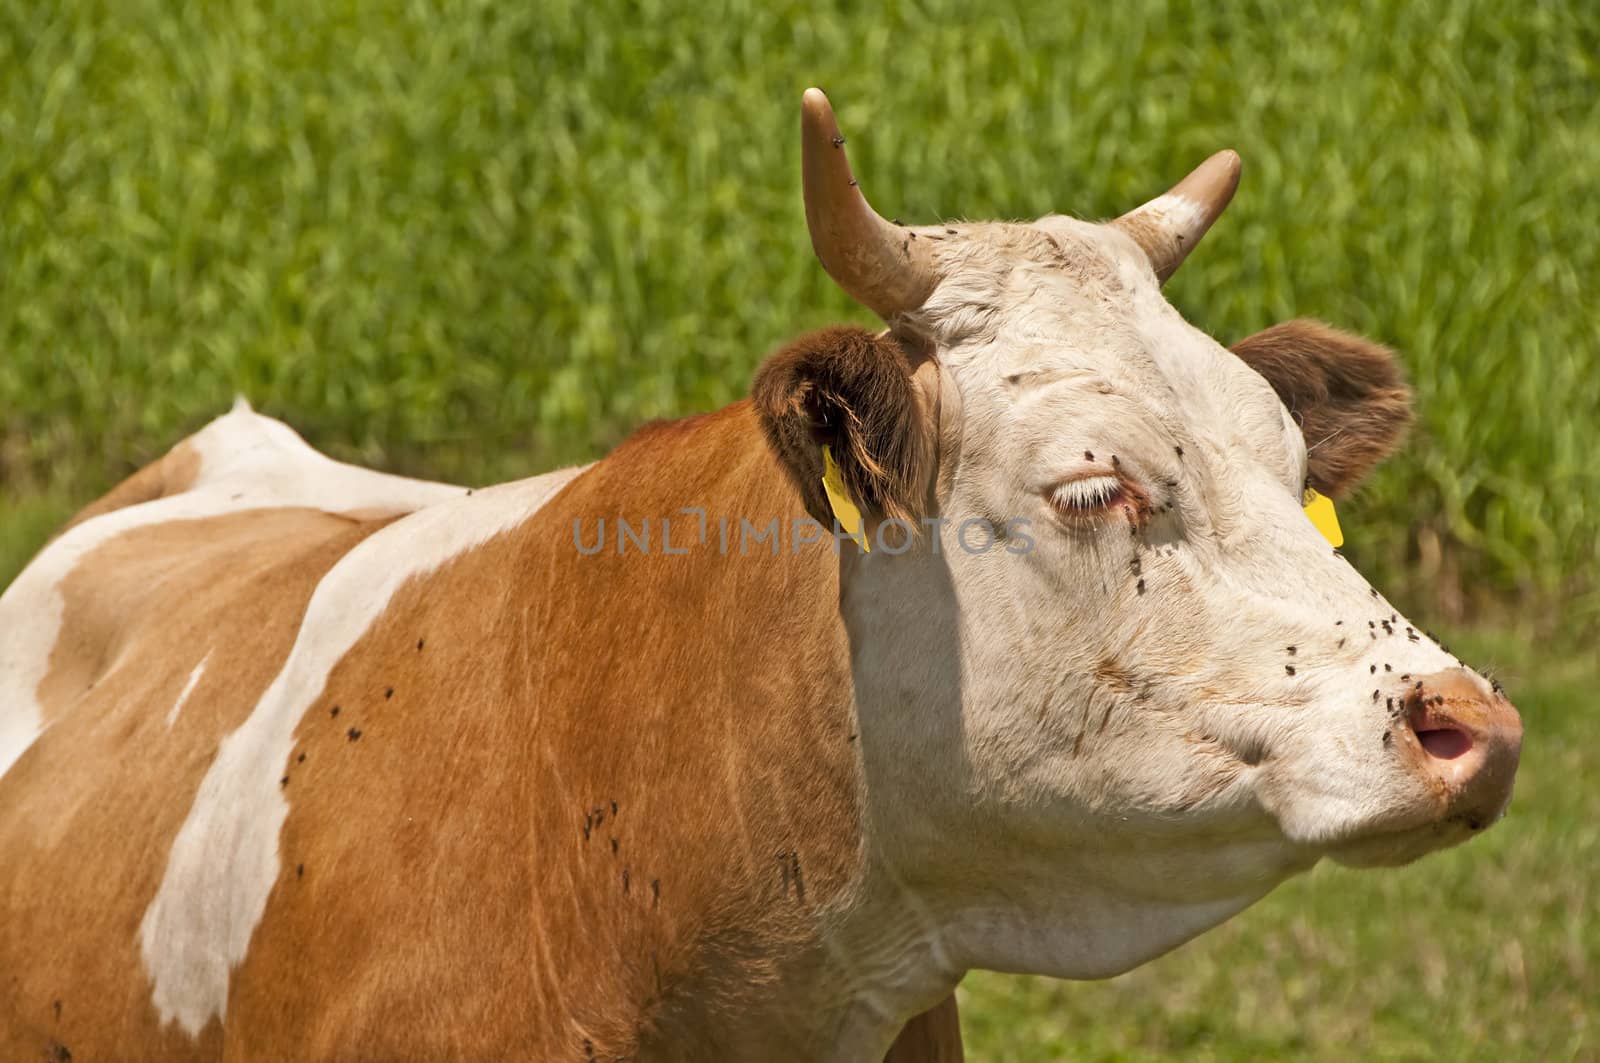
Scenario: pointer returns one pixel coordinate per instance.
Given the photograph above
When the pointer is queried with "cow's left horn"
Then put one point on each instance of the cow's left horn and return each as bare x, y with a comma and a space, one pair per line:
1169, 226
880, 265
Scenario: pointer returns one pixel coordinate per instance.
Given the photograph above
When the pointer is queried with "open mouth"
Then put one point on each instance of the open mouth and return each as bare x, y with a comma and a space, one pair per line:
1445, 743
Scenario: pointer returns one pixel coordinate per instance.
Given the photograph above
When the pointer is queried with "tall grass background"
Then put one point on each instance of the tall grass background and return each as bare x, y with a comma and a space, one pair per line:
475, 240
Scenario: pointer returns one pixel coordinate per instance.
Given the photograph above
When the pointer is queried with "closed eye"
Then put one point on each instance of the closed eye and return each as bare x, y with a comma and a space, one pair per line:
1087, 495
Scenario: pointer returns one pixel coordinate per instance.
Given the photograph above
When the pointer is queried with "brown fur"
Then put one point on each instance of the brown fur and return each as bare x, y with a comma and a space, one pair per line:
89, 812
1348, 395
859, 393
459, 853
543, 840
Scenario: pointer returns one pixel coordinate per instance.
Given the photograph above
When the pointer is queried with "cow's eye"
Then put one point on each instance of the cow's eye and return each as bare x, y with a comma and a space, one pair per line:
1086, 496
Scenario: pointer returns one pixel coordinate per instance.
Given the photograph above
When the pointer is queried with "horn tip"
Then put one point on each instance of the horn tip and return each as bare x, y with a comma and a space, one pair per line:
816, 118
1227, 165
1212, 183
1229, 161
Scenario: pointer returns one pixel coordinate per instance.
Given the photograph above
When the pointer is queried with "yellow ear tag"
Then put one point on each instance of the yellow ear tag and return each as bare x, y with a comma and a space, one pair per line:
844, 509
1320, 509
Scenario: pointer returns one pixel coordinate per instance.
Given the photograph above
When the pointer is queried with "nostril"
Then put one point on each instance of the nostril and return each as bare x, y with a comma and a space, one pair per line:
1445, 743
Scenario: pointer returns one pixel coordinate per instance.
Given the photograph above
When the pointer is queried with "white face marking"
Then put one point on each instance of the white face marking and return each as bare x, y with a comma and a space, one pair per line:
1149, 730
188, 688
246, 462
224, 862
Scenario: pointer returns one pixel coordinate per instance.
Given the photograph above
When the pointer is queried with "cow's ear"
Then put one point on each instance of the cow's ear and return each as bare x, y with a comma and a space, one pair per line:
1346, 393
861, 395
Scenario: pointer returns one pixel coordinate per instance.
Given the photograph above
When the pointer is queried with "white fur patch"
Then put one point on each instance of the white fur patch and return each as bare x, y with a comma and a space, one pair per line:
188, 688
1180, 213
24, 659
225, 860
246, 462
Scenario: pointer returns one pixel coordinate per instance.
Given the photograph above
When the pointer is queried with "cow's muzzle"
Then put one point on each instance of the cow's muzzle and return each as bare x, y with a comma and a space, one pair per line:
1467, 741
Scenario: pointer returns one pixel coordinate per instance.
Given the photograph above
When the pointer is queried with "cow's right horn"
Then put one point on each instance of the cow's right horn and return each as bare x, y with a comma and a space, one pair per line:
1169, 226
880, 265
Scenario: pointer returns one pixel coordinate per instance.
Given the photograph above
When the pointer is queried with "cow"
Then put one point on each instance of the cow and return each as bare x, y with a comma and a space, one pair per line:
997, 638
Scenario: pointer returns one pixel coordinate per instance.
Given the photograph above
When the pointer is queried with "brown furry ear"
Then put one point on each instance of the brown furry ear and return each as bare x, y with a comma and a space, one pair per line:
1347, 395
856, 392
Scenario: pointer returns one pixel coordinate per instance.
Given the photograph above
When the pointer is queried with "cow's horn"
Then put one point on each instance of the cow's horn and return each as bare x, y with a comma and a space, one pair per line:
1169, 226
882, 266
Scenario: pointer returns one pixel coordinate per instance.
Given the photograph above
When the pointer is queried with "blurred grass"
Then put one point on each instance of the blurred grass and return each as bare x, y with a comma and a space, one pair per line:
1490, 951
475, 240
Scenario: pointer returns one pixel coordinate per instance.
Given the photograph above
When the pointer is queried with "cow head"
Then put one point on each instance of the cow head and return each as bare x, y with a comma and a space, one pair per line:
1155, 686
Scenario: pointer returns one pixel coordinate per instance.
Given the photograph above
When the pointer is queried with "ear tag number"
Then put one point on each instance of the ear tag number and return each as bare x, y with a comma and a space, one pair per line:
844, 509
1320, 509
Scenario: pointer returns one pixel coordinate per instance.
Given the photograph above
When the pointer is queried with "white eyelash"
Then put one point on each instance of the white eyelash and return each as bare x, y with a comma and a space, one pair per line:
1087, 494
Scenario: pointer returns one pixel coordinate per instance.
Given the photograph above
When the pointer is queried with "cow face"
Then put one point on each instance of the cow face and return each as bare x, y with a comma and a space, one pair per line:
1155, 654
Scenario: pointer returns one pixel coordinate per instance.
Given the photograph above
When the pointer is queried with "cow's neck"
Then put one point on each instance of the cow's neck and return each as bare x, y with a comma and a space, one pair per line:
698, 708
942, 827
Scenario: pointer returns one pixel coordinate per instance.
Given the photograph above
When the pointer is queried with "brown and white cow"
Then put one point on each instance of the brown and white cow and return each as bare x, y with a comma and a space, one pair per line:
299, 761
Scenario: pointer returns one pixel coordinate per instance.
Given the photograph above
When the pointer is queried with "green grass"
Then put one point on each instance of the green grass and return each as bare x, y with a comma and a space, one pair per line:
474, 240
1488, 951
26, 522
